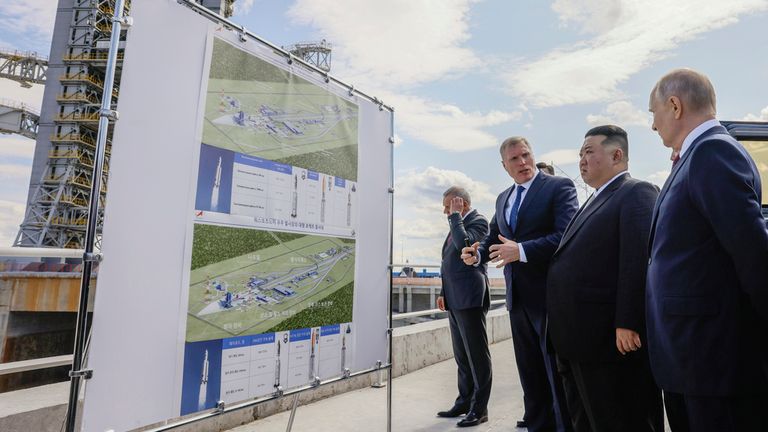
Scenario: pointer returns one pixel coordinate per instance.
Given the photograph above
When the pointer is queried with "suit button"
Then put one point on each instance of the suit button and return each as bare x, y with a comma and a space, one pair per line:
649, 261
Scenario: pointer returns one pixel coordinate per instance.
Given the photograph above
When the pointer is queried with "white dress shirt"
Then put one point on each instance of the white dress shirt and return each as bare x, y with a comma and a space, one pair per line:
511, 201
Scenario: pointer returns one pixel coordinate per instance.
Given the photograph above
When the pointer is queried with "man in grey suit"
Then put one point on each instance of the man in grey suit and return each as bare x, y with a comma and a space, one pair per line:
465, 295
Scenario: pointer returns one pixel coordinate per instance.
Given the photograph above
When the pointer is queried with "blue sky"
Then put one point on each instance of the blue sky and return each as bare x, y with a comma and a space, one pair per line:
465, 74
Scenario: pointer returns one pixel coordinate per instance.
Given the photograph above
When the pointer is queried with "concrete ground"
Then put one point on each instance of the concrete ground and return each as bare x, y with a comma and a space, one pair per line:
416, 397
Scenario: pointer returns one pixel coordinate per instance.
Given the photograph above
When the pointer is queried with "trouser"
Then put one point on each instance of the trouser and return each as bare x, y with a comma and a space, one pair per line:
688, 413
543, 397
615, 396
473, 358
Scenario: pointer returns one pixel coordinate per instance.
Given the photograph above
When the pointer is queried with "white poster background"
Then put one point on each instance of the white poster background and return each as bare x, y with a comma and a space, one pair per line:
139, 319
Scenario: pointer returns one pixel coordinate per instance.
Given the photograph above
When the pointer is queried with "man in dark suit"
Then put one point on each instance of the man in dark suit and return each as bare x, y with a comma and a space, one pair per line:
707, 289
596, 295
466, 297
524, 233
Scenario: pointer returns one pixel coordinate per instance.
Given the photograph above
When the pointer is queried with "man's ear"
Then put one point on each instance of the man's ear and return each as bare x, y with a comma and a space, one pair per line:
677, 106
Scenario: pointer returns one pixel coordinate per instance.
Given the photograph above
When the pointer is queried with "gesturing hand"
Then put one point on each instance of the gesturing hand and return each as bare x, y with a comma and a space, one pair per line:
469, 254
504, 253
457, 205
627, 340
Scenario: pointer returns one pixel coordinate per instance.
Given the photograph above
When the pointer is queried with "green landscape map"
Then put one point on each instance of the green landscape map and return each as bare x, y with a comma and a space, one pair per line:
245, 282
255, 108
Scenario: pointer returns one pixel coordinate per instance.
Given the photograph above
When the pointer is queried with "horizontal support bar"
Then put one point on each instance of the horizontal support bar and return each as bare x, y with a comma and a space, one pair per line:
405, 315
35, 364
29, 252
417, 265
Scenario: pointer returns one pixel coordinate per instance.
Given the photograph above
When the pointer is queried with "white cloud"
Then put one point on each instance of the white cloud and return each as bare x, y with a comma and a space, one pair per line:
447, 126
630, 36
30, 20
658, 178
762, 117
395, 43
419, 195
11, 216
560, 156
389, 48
398, 141
621, 113
243, 7
594, 16
426, 187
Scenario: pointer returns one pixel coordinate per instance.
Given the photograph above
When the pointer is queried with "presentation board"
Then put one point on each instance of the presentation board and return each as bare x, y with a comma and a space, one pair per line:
247, 228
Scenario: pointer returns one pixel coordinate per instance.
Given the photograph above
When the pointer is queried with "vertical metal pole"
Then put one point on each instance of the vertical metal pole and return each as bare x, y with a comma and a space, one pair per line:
391, 239
293, 412
77, 372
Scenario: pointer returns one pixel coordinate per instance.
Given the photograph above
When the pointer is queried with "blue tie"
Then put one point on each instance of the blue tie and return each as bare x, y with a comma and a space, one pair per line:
515, 207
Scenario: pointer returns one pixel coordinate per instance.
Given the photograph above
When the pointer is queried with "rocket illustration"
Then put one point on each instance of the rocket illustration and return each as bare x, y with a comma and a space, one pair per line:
312, 356
349, 208
295, 196
322, 203
277, 367
203, 384
343, 352
216, 185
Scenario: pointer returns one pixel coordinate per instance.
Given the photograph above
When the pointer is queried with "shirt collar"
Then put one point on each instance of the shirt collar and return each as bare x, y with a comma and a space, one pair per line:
601, 188
467, 214
527, 185
700, 129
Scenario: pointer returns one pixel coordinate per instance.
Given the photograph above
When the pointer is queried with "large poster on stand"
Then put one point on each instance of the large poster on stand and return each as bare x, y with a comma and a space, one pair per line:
247, 233
272, 274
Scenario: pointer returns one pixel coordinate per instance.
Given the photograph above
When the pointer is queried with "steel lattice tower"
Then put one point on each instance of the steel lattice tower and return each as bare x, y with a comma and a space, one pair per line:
59, 193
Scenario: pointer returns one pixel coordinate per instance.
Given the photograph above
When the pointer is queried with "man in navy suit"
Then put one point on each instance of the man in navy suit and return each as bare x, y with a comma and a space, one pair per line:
466, 297
530, 219
707, 288
596, 295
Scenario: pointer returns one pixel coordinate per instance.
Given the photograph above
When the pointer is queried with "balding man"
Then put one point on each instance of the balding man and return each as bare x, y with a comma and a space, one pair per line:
707, 286
466, 297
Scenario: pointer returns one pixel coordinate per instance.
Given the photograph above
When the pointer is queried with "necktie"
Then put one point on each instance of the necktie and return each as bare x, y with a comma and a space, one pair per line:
676, 159
515, 207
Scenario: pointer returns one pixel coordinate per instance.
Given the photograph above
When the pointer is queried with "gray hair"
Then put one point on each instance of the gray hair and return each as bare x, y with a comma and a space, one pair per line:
693, 88
511, 142
458, 191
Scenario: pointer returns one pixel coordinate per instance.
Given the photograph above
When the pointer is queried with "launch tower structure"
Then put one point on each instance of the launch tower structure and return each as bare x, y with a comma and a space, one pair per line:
59, 190
314, 53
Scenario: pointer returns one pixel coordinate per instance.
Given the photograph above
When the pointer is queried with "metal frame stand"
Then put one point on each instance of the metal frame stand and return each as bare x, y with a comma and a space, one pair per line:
106, 114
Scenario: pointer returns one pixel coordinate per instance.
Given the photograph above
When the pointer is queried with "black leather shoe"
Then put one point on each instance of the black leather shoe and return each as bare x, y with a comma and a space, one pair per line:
521, 424
455, 411
472, 419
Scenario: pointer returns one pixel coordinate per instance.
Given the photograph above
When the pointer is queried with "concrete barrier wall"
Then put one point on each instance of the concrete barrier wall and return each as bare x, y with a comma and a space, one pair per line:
414, 347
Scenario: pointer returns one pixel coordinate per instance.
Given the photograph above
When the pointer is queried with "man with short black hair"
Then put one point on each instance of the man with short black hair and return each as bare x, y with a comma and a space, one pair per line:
466, 297
596, 295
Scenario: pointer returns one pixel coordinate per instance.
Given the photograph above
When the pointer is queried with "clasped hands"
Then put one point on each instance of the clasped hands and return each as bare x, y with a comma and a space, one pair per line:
500, 255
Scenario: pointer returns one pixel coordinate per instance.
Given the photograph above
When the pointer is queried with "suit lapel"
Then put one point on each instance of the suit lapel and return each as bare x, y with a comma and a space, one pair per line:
585, 213
530, 196
501, 213
676, 169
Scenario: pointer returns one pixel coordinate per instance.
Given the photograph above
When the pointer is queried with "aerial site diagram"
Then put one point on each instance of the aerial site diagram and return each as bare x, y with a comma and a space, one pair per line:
246, 282
257, 109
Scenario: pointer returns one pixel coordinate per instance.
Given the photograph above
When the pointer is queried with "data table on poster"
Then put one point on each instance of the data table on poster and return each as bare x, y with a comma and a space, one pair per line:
253, 366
